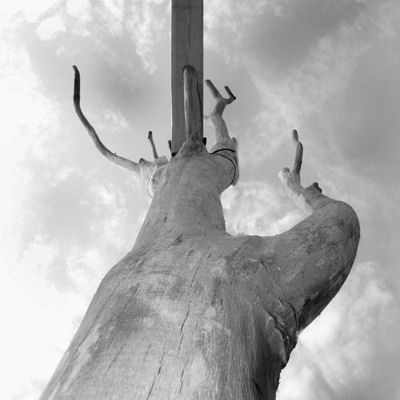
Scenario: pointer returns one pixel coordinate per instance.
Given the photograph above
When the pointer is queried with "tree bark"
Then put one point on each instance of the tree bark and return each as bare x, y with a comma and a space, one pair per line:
194, 313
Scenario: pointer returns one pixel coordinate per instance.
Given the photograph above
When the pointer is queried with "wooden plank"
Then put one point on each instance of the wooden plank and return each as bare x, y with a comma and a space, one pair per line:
193, 107
186, 49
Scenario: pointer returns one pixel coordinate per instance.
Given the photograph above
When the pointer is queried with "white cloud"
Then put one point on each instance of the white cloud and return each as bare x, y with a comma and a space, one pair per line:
112, 213
32, 311
29, 10
61, 175
29, 122
147, 23
116, 119
304, 91
37, 327
339, 348
50, 28
113, 14
229, 16
319, 77
79, 9
256, 208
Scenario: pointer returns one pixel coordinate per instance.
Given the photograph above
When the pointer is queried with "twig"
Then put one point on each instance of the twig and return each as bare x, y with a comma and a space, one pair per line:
303, 197
222, 102
121, 161
153, 146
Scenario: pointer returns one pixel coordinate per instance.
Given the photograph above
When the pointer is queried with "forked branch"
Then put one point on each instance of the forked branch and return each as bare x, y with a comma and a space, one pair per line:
121, 161
222, 102
305, 198
315, 256
220, 128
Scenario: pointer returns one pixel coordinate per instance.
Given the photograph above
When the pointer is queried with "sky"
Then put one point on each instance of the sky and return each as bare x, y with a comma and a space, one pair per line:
329, 68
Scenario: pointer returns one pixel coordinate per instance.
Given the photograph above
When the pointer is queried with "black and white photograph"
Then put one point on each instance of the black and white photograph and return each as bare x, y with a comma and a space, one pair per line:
200, 199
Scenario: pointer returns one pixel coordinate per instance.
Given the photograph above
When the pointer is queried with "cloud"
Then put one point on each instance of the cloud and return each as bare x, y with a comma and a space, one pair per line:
319, 78
30, 121
327, 68
113, 14
326, 43
345, 346
116, 120
50, 28
42, 318
27, 10
146, 23
256, 208
226, 22
34, 326
112, 213
80, 10
138, 24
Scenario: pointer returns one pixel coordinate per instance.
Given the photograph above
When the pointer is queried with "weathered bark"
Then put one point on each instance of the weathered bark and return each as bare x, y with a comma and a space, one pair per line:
194, 313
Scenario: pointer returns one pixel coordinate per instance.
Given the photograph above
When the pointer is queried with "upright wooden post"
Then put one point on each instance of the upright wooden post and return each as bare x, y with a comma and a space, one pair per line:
192, 312
186, 49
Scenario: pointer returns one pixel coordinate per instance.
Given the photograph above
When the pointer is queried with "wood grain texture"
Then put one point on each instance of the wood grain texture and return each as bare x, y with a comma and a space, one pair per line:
193, 105
193, 313
186, 49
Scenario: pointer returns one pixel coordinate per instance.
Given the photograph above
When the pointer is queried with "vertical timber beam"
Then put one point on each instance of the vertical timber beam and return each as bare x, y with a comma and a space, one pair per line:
186, 49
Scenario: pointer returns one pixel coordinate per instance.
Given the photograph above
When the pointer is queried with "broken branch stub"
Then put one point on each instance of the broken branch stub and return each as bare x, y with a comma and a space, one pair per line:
222, 139
222, 102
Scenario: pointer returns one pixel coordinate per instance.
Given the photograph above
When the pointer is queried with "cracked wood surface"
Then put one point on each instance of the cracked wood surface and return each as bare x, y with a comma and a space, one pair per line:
194, 313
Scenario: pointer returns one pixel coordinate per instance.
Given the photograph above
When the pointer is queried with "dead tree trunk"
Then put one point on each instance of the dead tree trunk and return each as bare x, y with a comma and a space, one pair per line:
192, 312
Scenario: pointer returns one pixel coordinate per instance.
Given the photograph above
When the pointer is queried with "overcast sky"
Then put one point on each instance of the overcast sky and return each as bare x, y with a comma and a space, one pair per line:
330, 68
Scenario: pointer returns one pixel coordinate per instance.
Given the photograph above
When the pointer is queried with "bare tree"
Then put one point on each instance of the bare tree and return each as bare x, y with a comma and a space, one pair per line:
192, 312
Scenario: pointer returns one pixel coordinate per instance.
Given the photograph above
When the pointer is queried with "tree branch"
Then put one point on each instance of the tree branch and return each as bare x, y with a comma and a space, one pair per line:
315, 256
309, 198
121, 161
221, 101
224, 146
306, 266
222, 137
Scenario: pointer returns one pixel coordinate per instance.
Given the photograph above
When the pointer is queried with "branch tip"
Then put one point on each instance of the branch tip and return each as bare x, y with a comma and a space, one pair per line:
77, 89
153, 146
291, 178
214, 91
222, 102
232, 97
